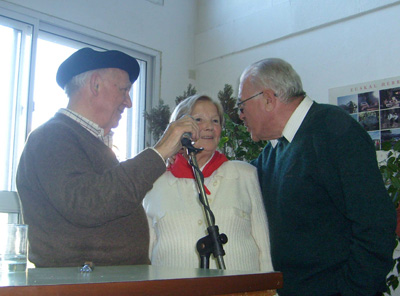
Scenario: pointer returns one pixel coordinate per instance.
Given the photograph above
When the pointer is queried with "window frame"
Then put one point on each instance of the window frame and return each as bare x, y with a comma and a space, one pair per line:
19, 104
150, 87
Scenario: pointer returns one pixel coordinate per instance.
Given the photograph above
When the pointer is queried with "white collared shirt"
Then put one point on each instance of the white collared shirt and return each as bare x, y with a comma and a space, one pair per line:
94, 128
90, 126
295, 120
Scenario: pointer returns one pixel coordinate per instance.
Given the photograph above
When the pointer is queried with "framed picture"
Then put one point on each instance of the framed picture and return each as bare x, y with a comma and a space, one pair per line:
375, 105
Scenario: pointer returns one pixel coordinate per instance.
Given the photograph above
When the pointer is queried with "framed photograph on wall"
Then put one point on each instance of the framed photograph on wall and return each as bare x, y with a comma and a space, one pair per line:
375, 105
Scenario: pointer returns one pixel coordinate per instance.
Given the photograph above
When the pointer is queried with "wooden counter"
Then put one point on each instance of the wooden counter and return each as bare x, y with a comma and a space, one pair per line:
137, 280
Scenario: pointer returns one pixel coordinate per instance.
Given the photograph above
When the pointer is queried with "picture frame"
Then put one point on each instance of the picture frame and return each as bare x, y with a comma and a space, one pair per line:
373, 104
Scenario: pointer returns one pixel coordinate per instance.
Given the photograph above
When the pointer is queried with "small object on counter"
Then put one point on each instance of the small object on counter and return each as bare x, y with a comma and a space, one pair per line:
88, 266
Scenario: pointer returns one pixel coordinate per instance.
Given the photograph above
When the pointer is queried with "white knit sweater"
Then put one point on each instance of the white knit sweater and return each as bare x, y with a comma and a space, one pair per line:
177, 221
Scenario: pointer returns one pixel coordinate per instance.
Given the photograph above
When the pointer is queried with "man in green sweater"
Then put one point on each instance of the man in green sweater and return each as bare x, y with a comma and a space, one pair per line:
331, 221
80, 202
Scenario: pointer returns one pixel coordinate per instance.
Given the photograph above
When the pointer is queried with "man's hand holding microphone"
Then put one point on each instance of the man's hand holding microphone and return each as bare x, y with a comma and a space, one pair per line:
180, 131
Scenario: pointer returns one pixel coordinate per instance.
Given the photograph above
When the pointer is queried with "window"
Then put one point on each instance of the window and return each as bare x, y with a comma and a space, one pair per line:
30, 55
14, 75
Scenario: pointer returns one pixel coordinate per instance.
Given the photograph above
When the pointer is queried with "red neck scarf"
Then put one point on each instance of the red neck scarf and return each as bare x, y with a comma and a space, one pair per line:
182, 169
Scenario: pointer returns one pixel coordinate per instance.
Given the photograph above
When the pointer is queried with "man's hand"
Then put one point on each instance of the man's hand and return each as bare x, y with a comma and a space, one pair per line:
170, 142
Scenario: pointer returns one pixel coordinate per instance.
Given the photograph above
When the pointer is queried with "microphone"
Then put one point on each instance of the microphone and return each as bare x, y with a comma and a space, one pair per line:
186, 140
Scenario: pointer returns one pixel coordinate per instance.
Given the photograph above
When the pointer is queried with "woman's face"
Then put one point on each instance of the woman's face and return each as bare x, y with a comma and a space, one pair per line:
206, 115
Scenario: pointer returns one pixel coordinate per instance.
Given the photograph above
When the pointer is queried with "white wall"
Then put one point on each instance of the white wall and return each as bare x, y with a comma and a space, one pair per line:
168, 29
330, 43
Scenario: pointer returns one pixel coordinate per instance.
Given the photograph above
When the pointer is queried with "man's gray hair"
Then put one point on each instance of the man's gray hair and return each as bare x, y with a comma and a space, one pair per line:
77, 82
277, 75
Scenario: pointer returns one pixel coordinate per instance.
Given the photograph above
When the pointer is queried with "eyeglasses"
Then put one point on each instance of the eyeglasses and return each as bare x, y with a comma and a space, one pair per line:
241, 102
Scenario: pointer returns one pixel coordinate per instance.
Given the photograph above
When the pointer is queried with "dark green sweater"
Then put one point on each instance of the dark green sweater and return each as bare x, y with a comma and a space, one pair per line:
80, 203
332, 223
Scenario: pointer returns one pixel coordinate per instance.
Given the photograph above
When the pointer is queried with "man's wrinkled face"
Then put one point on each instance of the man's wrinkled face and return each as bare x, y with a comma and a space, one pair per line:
251, 110
114, 97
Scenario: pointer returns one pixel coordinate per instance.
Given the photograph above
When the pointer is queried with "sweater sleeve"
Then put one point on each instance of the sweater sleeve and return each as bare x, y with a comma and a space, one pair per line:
81, 178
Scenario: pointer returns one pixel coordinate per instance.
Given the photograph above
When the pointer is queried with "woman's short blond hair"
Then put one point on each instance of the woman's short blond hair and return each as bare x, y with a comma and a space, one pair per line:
186, 107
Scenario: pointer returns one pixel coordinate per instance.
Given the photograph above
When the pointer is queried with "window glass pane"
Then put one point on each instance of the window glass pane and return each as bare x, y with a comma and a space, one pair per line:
8, 50
48, 97
126, 136
14, 72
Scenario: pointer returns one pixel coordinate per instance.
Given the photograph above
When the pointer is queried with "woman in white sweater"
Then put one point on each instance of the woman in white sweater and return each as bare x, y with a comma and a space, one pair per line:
176, 217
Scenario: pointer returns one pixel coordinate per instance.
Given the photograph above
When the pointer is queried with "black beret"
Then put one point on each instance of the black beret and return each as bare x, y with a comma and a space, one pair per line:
87, 59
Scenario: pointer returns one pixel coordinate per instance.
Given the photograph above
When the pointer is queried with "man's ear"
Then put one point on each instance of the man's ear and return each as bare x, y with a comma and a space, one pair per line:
270, 99
95, 80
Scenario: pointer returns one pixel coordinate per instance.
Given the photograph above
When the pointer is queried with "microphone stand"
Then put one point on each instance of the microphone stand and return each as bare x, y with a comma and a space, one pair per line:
212, 243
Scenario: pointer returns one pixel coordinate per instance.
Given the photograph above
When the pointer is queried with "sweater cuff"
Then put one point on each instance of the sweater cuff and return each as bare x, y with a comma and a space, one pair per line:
155, 150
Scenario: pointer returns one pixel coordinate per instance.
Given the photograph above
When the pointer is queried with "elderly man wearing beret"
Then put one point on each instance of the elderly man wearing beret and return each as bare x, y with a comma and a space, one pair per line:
80, 202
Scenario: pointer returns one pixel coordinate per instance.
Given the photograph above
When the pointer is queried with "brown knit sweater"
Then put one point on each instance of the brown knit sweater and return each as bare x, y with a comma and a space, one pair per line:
80, 203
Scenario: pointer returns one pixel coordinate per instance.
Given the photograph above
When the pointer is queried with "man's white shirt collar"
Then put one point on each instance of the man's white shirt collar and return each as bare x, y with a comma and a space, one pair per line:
294, 122
90, 126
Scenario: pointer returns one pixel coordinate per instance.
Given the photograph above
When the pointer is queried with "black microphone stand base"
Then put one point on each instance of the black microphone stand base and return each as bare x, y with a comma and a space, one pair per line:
212, 244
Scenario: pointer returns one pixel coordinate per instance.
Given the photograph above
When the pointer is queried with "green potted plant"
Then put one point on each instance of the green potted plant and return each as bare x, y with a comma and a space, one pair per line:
158, 117
390, 171
235, 140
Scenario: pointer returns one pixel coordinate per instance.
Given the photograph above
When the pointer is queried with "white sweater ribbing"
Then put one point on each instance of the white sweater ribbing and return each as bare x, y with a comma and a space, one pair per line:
177, 222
